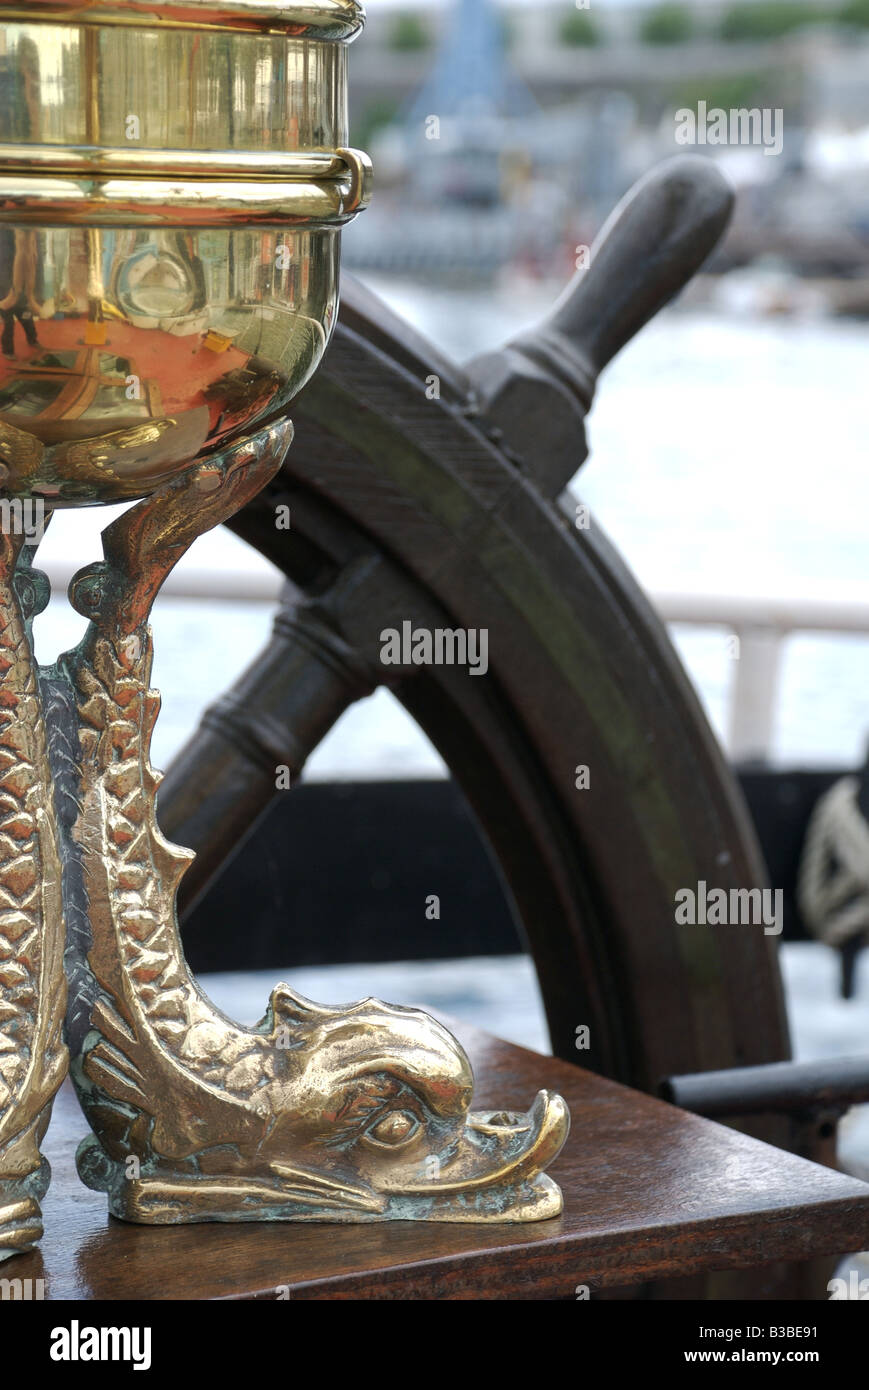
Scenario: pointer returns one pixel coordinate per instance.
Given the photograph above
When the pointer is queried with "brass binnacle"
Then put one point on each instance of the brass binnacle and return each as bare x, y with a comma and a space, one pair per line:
174, 178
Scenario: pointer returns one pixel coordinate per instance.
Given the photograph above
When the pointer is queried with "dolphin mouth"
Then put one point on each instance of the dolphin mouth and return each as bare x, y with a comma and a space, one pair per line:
495, 1169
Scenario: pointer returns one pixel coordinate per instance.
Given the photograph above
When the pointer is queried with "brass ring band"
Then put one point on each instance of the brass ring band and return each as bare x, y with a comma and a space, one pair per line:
207, 203
339, 20
93, 161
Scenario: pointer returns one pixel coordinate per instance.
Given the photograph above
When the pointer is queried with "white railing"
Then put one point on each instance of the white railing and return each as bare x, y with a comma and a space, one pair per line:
762, 625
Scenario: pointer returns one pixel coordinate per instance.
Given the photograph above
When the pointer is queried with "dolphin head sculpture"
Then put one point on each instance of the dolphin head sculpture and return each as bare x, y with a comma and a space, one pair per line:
360, 1113
372, 1103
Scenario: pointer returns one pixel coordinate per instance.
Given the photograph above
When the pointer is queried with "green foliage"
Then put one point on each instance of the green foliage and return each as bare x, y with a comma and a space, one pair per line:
408, 33
507, 27
667, 23
381, 111
737, 90
769, 19
579, 30
856, 13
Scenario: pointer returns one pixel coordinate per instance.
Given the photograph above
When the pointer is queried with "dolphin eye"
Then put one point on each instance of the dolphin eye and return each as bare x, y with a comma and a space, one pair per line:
394, 1129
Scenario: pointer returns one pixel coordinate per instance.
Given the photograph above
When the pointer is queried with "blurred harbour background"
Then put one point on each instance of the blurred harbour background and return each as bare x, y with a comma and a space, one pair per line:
503, 134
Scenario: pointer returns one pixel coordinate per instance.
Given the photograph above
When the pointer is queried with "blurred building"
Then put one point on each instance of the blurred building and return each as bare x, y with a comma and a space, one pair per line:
503, 135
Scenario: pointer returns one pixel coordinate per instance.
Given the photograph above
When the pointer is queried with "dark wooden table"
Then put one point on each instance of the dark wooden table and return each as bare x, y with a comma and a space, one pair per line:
650, 1192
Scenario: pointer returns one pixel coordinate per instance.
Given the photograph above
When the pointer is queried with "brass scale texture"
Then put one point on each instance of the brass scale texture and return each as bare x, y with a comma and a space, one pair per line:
173, 179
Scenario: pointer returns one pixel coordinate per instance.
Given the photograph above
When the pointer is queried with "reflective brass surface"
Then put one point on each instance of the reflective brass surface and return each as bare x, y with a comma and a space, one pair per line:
326, 19
86, 161
170, 201
163, 345
119, 203
79, 84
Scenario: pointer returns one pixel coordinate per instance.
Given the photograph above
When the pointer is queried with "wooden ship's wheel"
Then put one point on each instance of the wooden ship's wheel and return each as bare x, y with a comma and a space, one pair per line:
447, 507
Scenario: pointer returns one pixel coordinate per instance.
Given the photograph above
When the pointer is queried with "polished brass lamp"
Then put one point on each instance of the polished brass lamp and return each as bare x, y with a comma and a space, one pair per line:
173, 181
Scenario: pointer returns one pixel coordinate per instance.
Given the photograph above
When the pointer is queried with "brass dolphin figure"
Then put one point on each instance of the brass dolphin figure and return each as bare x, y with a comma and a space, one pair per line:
354, 1114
